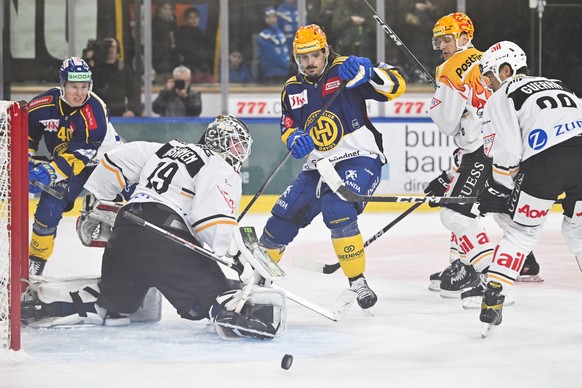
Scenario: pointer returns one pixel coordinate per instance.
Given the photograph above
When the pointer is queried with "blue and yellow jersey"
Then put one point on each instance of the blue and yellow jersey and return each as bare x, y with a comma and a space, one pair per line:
71, 135
344, 131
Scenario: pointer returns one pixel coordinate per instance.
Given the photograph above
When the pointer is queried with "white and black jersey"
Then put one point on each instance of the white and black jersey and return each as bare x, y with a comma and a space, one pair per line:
526, 116
196, 183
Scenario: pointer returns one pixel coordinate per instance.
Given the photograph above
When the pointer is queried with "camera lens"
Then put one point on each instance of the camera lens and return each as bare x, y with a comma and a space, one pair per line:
179, 84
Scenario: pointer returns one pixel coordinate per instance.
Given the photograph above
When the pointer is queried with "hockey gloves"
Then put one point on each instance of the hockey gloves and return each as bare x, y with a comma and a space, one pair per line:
43, 173
356, 70
493, 198
438, 186
300, 144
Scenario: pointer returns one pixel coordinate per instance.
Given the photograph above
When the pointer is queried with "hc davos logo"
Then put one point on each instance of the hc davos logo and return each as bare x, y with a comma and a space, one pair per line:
327, 132
537, 139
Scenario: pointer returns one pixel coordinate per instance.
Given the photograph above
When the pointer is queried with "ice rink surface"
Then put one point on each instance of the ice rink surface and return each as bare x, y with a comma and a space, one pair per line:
415, 339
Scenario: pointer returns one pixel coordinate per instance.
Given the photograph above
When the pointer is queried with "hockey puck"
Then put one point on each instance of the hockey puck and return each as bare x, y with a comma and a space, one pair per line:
287, 361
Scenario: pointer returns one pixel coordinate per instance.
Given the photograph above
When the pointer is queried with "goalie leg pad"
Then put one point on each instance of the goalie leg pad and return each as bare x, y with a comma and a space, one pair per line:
72, 302
263, 316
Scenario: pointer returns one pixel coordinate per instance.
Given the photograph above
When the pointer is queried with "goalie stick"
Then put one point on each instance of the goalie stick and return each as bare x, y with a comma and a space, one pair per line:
339, 309
337, 185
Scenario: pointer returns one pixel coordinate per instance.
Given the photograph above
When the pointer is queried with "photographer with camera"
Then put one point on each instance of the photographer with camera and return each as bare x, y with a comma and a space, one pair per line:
177, 99
114, 80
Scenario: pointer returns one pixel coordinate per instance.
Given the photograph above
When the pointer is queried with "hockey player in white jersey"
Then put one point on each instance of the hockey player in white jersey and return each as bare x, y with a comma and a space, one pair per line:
456, 110
192, 191
532, 128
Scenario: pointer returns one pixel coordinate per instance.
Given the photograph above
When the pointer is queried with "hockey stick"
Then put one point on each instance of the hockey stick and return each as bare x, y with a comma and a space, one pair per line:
48, 189
339, 309
278, 167
311, 265
401, 45
337, 185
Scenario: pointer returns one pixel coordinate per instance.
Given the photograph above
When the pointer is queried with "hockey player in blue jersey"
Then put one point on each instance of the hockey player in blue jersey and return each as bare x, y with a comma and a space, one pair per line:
344, 135
74, 123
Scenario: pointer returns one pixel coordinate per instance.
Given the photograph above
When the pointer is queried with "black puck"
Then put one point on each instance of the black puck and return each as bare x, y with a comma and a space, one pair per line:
287, 361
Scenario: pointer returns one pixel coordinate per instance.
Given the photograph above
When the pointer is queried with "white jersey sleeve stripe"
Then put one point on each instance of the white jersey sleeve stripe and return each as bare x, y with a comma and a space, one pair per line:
217, 222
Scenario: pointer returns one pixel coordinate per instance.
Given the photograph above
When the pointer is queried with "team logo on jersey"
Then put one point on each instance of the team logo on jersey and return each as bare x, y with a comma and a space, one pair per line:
50, 125
537, 139
90, 118
287, 121
330, 86
488, 143
327, 132
298, 100
40, 101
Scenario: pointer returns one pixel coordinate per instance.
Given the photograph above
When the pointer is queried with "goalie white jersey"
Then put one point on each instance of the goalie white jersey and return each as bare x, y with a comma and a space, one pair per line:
526, 116
195, 182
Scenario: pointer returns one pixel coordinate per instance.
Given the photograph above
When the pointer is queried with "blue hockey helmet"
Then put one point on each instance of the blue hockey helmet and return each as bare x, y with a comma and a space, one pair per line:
75, 69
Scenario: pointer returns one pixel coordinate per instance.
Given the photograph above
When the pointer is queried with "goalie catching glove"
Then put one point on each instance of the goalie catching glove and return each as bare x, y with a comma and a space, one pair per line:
96, 220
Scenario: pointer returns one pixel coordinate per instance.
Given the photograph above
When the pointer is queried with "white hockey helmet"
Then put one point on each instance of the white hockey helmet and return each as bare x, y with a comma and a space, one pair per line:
230, 138
501, 53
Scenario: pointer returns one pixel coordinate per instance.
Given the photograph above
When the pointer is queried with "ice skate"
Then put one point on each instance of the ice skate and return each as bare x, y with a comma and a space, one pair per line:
491, 307
530, 271
36, 266
366, 297
471, 299
463, 278
437, 277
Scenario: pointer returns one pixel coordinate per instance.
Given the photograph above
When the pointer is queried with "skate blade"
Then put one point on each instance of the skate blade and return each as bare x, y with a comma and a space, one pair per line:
435, 286
451, 294
368, 313
487, 329
529, 279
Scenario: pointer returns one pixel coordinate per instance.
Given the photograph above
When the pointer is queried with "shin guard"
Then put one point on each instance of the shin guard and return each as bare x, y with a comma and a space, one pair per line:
350, 254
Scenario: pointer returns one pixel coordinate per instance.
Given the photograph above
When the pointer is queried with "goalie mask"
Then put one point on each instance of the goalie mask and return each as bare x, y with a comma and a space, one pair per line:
74, 69
454, 25
230, 138
501, 53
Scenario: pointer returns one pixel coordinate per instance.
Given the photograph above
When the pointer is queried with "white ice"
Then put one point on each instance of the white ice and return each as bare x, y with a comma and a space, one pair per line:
415, 339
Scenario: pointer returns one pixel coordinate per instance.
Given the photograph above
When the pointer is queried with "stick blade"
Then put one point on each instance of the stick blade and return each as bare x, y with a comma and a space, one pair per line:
343, 304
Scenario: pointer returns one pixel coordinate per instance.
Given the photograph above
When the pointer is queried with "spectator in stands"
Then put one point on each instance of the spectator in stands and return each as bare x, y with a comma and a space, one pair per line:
287, 20
177, 99
163, 40
114, 80
194, 47
419, 18
354, 29
238, 71
274, 60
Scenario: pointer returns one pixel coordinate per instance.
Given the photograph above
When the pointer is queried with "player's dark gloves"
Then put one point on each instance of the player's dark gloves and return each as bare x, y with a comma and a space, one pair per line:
493, 198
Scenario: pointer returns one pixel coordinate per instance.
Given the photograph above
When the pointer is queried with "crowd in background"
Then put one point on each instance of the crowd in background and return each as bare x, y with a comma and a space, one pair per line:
186, 34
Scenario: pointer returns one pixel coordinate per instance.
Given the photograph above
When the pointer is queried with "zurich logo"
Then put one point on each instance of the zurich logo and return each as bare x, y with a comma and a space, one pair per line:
537, 139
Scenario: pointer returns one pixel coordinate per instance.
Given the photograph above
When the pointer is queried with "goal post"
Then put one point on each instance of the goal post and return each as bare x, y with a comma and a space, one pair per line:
13, 218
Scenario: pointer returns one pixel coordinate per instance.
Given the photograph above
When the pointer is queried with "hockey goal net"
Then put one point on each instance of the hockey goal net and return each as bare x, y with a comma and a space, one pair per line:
13, 218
